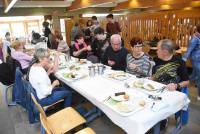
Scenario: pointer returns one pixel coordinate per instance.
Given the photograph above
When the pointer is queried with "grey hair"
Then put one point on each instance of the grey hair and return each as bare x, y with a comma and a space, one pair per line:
116, 36
41, 53
167, 44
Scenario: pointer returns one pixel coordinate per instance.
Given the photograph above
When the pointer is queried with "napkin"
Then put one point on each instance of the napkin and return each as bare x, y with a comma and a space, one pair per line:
158, 105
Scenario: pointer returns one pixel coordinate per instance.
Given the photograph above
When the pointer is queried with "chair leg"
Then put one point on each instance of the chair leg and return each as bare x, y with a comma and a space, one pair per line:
6, 96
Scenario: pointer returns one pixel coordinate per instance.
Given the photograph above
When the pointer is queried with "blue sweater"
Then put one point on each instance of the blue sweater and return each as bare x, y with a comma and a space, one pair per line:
193, 50
119, 57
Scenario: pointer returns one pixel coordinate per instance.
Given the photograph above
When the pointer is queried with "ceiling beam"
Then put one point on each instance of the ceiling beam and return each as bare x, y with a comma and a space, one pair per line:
151, 3
80, 4
8, 4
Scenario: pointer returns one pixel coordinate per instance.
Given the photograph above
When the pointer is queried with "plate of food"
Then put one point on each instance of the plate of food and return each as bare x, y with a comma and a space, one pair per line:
138, 84
74, 67
70, 75
82, 61
149, 87
121, 96
119, 75
125, 106
73, 75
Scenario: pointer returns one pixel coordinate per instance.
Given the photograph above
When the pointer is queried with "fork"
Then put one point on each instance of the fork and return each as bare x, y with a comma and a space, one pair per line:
161, 89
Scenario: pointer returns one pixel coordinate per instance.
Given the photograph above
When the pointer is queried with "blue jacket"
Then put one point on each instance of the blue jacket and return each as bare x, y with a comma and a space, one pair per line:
193, 50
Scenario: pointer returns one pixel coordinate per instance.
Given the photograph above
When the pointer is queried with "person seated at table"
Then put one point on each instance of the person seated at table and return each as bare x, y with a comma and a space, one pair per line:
115, 55
138, 63
62, 45
80, 49
19, 55
169, 69
100, 43
48, 93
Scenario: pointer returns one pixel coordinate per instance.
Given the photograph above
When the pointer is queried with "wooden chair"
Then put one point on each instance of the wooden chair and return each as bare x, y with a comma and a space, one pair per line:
86, 131
60, 122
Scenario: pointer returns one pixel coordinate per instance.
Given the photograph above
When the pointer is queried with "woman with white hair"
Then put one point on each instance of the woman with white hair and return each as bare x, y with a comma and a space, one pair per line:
47, 92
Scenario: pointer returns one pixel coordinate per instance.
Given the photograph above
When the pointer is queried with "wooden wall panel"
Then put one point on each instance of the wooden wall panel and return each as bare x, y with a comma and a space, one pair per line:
176, 25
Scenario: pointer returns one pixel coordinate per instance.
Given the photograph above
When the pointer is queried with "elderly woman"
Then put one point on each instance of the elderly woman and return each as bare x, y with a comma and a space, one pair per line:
80, 48
47, 92
19, 55
138, 62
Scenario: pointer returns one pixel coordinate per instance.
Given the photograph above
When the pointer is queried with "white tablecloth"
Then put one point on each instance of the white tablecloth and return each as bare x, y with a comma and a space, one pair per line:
97, 89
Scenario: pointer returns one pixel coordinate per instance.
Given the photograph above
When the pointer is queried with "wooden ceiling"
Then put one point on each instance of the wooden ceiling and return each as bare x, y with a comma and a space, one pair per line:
117, 5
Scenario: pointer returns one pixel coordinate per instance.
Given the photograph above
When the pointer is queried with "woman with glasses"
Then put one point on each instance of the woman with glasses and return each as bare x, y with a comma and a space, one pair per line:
138, 63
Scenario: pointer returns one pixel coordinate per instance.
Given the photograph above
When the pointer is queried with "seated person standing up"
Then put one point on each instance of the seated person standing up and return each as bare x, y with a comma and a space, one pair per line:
115, 55
80, 48
138, 63
19, 55
100, 43
47, 92
169, 69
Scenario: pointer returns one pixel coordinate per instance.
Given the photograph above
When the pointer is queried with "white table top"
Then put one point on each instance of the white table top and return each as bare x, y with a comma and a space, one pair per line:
97, 89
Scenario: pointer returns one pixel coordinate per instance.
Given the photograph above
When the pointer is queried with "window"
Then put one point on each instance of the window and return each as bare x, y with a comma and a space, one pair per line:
3, 29
18, 30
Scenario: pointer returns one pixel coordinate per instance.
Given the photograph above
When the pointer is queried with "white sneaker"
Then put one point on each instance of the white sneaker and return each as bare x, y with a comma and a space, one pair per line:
198, 98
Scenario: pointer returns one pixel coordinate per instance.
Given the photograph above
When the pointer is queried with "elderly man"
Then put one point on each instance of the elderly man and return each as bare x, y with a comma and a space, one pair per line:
169, 69
115, 55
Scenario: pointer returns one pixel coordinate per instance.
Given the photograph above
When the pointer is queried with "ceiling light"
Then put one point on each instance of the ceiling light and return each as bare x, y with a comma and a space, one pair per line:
10, 5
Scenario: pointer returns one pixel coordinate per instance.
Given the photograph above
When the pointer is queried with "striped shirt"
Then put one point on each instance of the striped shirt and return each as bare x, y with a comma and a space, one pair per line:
143, 63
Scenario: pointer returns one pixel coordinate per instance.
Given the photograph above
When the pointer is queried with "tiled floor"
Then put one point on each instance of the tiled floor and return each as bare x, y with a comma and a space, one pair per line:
13, 120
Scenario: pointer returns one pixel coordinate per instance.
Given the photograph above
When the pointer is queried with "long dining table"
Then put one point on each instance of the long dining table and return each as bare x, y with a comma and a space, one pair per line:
98, 89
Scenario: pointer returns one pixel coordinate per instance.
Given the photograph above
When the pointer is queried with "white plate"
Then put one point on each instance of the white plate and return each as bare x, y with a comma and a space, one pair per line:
149, 87
125, 106
77, 75
118, 98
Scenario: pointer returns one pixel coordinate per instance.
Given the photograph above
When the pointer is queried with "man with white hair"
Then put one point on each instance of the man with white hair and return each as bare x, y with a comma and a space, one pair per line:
115, 55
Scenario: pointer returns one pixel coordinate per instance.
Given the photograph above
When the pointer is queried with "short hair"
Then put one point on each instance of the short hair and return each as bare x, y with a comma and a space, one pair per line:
135, 41
167, 44
99, 30
109, 16
76, 24
16, 44
78, 36
45, 24
115, 36
94, 17
41, 53
198, 28
7, 33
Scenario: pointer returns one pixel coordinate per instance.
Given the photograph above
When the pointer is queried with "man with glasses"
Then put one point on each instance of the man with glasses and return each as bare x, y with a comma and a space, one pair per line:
115, 55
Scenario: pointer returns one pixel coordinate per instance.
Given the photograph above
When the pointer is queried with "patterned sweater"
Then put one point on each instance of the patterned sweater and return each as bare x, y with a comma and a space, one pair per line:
143, 63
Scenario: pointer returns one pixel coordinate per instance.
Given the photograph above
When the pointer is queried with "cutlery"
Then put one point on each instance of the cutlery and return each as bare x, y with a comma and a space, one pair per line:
153, 105
126, 85
108, 98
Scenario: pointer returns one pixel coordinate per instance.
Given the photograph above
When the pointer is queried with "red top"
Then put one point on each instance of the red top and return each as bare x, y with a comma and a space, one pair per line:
113, 28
